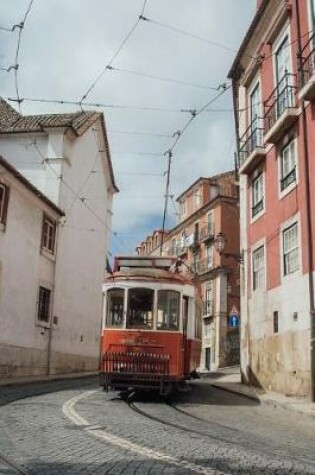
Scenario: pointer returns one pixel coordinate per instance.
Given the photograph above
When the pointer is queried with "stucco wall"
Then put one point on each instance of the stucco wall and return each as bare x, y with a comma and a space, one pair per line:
22, 269
76, 169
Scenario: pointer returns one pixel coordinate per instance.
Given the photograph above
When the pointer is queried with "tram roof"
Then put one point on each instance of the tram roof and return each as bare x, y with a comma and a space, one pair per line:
149, 274
156, 262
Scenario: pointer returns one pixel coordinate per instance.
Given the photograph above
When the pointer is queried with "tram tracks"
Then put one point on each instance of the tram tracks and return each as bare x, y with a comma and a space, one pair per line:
177, 426
11, 464
265, 447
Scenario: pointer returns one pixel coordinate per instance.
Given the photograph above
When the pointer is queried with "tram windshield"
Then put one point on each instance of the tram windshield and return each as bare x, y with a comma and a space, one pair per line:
115, 308
140, 308
168, 310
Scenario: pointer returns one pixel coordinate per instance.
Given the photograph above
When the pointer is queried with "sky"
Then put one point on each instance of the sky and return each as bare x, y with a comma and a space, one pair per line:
66, 45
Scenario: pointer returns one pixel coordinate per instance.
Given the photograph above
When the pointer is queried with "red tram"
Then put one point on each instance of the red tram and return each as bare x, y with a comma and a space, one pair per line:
150, 333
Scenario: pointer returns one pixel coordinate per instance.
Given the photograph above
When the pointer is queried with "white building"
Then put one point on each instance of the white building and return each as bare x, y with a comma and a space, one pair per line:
66, 158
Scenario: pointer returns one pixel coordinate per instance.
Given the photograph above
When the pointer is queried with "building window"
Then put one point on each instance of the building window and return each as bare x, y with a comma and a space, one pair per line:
275, 322
44, 302
290, 249
172, 251
49, 234
4, 200
259, 268
184, 209
197, 198
209, 298
288, 166
209, 258
257, 195
207, 330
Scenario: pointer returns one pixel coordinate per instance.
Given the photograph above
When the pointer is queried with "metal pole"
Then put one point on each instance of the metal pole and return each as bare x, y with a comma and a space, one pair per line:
167, 189
309, 248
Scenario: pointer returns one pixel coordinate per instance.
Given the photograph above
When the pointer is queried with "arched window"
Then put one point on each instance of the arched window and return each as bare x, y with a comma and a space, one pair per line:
115, 308
168, 310
140, 308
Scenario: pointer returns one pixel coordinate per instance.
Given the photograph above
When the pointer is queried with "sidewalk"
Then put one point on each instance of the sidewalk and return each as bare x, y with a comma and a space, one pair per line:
229, 379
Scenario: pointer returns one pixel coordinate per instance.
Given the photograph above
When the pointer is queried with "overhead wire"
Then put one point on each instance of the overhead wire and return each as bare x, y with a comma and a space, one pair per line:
160, 78
112, 131
21, 26
115, 106
112, 59
187, 33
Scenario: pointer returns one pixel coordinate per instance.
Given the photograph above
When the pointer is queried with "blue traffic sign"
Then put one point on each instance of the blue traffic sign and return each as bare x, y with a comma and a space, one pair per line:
234, 320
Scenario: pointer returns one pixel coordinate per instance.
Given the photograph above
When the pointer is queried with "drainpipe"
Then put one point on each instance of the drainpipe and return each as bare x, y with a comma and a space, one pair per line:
309, 246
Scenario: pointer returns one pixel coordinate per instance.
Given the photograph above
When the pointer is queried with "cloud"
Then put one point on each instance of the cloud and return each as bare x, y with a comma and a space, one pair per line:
65, 45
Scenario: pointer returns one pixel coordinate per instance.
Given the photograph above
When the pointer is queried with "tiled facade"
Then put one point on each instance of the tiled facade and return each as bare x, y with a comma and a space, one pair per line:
209, 206
274, 92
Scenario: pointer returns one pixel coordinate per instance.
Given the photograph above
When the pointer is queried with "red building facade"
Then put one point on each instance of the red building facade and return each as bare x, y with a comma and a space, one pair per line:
208, 207
274, 101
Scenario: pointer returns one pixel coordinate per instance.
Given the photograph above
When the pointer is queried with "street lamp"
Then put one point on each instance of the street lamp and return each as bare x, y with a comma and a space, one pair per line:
219, 244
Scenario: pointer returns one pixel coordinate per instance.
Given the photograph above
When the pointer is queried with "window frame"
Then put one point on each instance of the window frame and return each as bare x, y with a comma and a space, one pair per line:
141, 327
40, 321
197, 198
257, 207
179, 310
258, 283
285, 230
284, 190
4, 204
121, 324
46, 237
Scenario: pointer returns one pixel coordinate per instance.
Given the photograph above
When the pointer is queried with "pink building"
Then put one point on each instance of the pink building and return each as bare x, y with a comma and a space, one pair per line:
274, 92
208, 210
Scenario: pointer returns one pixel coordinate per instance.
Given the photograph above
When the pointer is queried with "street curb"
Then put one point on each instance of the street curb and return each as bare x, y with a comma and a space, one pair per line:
45, 379
235, 391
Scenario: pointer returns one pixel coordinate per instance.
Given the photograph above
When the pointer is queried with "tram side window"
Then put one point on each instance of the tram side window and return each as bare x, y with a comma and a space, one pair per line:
115, 308
168, 310
140, 308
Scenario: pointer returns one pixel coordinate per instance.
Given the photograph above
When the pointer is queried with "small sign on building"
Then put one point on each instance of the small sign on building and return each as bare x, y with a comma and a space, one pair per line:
234, 318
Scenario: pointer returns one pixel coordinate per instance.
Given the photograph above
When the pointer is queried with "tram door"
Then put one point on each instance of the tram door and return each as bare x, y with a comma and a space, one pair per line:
185, 323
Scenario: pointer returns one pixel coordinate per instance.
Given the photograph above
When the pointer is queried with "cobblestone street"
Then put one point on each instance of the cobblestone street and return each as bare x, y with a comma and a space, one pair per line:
72, 427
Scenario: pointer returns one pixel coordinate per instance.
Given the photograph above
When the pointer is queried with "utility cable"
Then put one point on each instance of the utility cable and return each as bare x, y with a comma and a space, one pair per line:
112, 131
160, 78
187, 33
21, 27
108, 65
99, 105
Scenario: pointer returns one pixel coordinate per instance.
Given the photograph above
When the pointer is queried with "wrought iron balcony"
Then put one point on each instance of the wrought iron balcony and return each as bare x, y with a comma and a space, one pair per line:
306, 71
252, 149
203, 266
281, 109
195, 243
181, 250
207, 232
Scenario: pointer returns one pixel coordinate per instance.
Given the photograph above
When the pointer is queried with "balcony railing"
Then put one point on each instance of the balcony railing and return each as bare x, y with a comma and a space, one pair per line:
180, 250
207, 232
195, 242
282, 98
251, 140
202, 266
306, 68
